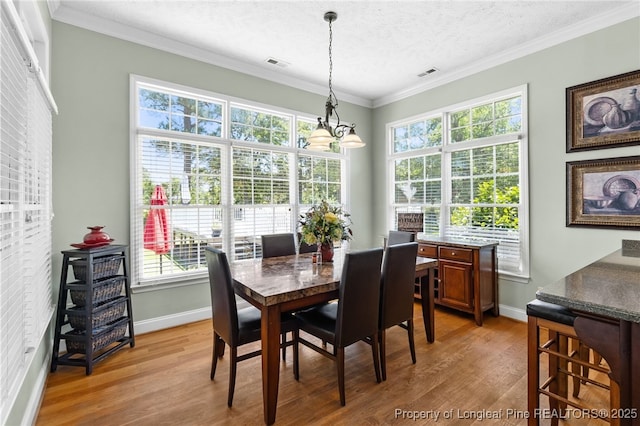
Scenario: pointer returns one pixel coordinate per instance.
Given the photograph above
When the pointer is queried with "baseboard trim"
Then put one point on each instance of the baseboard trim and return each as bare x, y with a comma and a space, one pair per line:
513, 313
174, 320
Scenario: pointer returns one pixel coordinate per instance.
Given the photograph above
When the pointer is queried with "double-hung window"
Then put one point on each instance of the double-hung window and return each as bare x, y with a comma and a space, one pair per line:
465, 169
210, 170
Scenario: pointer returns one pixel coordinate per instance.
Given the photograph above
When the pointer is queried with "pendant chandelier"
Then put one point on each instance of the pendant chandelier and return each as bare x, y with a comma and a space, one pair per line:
324, 135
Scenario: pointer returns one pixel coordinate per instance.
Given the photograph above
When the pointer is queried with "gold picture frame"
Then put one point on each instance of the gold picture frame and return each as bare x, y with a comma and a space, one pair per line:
604, 113
604, 193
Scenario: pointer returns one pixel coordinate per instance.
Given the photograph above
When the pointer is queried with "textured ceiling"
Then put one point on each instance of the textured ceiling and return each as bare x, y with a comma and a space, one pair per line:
379, 47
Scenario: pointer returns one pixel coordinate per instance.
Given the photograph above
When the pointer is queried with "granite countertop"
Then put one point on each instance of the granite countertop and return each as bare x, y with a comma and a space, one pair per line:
471, 244
609, 287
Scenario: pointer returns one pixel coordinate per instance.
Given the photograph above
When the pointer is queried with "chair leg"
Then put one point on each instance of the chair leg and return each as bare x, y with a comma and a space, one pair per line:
340, 368
383, 353
296, 360
283, 341
412, 344
232, 374
218, 345
376, 359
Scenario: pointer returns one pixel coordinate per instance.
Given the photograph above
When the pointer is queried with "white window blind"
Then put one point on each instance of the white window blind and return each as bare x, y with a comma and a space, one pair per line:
26, 305
464, 168
230, 172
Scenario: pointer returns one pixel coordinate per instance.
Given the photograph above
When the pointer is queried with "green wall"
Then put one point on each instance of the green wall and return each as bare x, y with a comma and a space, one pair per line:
555, 250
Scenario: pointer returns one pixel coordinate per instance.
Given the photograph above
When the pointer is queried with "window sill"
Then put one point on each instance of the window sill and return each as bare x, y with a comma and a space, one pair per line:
173, 282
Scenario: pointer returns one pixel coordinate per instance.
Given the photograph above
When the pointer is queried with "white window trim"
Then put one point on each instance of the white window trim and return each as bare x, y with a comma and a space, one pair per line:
199, 277
447, 148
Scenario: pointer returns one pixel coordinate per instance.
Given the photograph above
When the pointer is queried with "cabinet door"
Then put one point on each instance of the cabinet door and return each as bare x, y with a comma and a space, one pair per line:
456, 285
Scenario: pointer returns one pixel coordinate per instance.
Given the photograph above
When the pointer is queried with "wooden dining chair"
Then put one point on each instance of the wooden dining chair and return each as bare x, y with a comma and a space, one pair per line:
400, 237
233, 326
278, 245
353, 318
396, 296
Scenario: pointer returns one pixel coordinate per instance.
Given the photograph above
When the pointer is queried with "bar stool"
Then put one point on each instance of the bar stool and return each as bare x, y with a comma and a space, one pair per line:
558, 321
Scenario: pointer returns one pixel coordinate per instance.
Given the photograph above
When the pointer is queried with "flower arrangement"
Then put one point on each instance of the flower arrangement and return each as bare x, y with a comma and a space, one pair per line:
324, 224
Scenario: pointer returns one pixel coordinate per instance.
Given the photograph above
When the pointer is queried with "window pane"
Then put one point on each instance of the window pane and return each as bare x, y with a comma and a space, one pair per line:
460, 163
402, 169
507, 158
260, 126
461, 191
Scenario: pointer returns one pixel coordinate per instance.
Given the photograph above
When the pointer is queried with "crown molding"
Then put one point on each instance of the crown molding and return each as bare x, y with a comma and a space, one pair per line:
116, 30
562, 35
145, 38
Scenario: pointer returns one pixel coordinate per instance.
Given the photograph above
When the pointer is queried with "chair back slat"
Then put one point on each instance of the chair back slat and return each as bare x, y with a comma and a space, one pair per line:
223, 301
397, 284
303, 247
357, 315
400, 237
278, 245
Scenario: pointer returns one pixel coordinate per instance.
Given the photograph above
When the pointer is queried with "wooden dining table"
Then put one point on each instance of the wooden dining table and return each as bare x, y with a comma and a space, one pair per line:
289, 283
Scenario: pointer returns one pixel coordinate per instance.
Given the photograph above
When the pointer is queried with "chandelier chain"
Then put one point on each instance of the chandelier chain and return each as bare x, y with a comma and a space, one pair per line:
330, 57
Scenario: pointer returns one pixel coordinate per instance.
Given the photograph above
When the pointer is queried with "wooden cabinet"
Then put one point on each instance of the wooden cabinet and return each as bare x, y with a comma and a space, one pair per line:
467, 278
98, 321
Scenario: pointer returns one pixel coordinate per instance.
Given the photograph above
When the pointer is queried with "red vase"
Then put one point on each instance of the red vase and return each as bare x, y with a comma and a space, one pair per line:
96, 235
326, 251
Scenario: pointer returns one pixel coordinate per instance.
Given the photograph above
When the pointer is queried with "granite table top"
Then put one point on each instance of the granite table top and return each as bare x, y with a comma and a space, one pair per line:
284, 278
609, 287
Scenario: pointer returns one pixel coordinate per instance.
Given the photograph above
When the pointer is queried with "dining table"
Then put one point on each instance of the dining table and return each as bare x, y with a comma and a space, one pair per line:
290, 283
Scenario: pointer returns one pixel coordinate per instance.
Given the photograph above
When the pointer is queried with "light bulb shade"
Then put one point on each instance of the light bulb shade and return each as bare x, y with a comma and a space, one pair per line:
320, 140
352, 140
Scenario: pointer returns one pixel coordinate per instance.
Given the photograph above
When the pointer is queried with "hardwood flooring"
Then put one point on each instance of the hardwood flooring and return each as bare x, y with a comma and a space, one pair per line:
467, 373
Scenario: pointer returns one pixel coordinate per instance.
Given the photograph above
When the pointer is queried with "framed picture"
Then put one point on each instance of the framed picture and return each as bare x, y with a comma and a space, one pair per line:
604, 193
604, 113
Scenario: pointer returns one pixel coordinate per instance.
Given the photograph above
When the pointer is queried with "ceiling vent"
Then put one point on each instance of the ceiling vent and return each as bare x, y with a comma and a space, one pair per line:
277, 62
427, 72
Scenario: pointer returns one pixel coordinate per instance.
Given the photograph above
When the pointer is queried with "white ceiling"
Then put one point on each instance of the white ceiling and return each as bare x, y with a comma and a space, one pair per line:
379, 47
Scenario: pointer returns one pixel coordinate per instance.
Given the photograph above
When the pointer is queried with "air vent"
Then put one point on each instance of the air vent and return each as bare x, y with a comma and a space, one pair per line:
427, 72
277, 62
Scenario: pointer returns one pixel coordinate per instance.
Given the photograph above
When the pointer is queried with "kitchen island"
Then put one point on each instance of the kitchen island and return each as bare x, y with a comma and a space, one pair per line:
605, 296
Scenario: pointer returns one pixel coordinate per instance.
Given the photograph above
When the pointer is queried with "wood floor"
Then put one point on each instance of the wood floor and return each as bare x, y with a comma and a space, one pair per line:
468, 372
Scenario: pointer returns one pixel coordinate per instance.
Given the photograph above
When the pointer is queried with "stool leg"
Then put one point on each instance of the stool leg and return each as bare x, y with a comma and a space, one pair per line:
577, 369
614, 399
563, 364
533, 370
555, 385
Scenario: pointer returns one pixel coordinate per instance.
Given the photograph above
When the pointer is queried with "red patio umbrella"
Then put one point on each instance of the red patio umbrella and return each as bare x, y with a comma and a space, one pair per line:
156, 228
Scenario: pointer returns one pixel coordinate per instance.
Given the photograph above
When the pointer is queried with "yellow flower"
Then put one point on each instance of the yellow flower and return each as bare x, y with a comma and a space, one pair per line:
331, 217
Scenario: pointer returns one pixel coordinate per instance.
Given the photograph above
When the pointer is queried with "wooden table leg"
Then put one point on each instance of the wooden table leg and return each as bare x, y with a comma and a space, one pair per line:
270, 335
427, 299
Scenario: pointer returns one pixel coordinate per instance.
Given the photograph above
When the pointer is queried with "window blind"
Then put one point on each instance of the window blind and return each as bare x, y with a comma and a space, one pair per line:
468, 175
26, 304
230, 172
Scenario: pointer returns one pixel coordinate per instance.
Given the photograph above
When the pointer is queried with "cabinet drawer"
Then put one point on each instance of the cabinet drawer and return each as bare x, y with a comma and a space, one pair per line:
425, 250
459, 254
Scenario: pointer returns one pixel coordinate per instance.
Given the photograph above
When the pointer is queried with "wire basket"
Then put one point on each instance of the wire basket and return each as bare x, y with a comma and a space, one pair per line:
101, 291
100, 340
104, 314
103, 267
